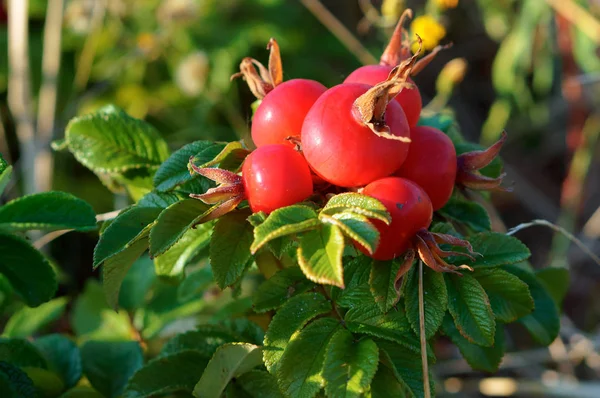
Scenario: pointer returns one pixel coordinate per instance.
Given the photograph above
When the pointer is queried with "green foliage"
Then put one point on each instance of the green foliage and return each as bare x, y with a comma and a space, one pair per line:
230, 360
28, 272
304, 303
109, 365
47, 211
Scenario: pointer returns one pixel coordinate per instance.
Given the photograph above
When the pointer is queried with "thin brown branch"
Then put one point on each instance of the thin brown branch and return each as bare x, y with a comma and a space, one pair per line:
559, 229
44, 162
423, 339
49, 237
340, 31
19, 89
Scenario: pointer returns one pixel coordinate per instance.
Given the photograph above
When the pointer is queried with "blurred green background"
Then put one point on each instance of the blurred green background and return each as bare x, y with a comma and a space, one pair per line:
533, 68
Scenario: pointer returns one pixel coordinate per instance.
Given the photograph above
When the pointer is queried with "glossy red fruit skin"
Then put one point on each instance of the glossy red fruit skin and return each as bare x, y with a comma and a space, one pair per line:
409, 99
431, 163
275, 176
344, 151
282, 111
410, 209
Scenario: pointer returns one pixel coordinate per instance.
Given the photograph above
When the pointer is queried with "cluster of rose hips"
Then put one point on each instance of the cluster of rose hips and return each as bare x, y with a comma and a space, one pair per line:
361, 135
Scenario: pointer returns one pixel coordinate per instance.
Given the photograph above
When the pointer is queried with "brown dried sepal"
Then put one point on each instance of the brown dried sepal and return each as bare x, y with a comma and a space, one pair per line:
263, 80
469, 164
399, 47
226, 196
427, 246
370, 107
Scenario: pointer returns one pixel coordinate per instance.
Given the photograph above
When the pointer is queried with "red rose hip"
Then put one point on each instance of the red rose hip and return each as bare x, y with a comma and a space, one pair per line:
410, 209
281, 113
275, 176
431, 163
344, 150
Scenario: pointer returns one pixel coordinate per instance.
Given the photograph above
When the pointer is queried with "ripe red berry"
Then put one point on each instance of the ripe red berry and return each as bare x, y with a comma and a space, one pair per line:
431, 163
282, 111
408, 98
341, 148
275, 176
410, 209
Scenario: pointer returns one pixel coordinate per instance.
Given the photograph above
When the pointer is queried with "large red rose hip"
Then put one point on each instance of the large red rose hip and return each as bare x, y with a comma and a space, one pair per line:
344, 150
410, 209
275, 176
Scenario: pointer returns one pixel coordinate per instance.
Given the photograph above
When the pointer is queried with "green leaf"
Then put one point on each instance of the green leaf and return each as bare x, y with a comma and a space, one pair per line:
285, 221
28, 321
48, 211
356, 227
368, 319
275, 291
173, 223
509, 296
160, 200
496, 249
21, 353
245, 330
129, 226
300, 374
176, 373
110, 141
172, 262
5, 174
116, 268
292, 316
356, 279
544, 322
556, 281
47, 383
204, 341
320, 255
259, 384
407, 366
385, 384
466, 212
137, 283
29, 273
230, 248
14, 383
470, 307
194, 284
63, 357
359, 204
435, 299
480, 358
92, 318
229, 158
230, 360
382, 283
108, 365
349, 367
174, 173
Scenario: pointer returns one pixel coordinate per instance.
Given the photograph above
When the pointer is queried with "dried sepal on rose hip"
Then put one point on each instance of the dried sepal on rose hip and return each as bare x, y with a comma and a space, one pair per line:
397, 51
279, 117
411, 211
273, 176
470, 163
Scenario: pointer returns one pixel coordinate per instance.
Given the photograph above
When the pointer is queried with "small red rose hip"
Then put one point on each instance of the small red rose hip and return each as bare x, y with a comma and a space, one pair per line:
275, 176
410, 209
409, 98
344, 150
281, 113
431, 163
